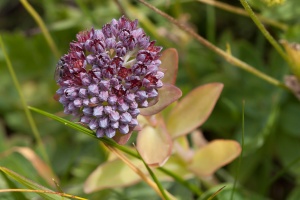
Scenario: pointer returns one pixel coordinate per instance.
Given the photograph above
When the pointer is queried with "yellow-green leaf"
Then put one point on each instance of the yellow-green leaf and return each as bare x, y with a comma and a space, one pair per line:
154, 145
213, 156
194, 109
113, 174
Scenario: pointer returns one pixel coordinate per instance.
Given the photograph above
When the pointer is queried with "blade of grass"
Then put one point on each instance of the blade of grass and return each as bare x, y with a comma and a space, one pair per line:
42, 26
228, 57
216, 193
24, 104
42, 192
85, 131
140, 173
30, 184
283, 171
158, 184
239, 11
264, 31
188, 185
12, 184
117, 146
241, 156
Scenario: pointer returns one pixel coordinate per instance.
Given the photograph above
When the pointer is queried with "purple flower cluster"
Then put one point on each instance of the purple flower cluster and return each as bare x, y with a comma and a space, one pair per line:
107, 75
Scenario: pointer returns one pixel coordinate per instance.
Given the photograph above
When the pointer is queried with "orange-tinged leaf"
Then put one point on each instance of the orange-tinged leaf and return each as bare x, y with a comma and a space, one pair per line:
167, 95
214, 156
194, 109
169, 61
154, 145
113, 174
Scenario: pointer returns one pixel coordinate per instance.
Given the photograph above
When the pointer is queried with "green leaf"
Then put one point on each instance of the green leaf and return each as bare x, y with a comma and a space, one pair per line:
193, 110
154, 144
113, 174
211, 157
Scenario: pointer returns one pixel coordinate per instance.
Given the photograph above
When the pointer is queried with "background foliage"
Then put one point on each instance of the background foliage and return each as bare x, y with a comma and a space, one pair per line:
272, 128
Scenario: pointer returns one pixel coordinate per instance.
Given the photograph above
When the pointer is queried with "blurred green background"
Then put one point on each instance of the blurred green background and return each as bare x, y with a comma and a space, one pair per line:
272, 115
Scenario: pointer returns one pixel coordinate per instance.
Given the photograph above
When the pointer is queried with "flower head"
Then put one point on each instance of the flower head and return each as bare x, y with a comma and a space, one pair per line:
107, 75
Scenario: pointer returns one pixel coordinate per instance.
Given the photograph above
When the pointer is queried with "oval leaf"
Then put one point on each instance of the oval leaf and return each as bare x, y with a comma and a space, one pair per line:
213, 156
167, 95
194, 109
154, 145
169, 62
113, 174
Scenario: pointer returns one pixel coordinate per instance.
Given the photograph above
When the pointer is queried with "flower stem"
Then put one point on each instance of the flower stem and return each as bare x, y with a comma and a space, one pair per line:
24, 104
191, 187
162, 191
227, 56
159, 190
264, 31
42, 26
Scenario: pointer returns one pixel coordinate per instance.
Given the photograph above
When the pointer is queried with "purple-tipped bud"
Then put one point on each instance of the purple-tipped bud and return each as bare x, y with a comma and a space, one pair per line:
98, 111
107, 75
103, 122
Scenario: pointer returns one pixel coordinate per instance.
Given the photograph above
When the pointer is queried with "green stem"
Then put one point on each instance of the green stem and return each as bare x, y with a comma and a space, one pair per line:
42, 26
115, 145
242, 151
264, 31
191, 187
227, 56
160, 187
24, 104
239, 11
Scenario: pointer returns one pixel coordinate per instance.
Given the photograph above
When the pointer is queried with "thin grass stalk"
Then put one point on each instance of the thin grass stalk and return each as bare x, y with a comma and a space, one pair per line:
239, 11
117, 146
24, 104
242, 152
191, 187
160, 187
264, 31
42, 191
216, 193
228, 57
42, 26
139, 172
